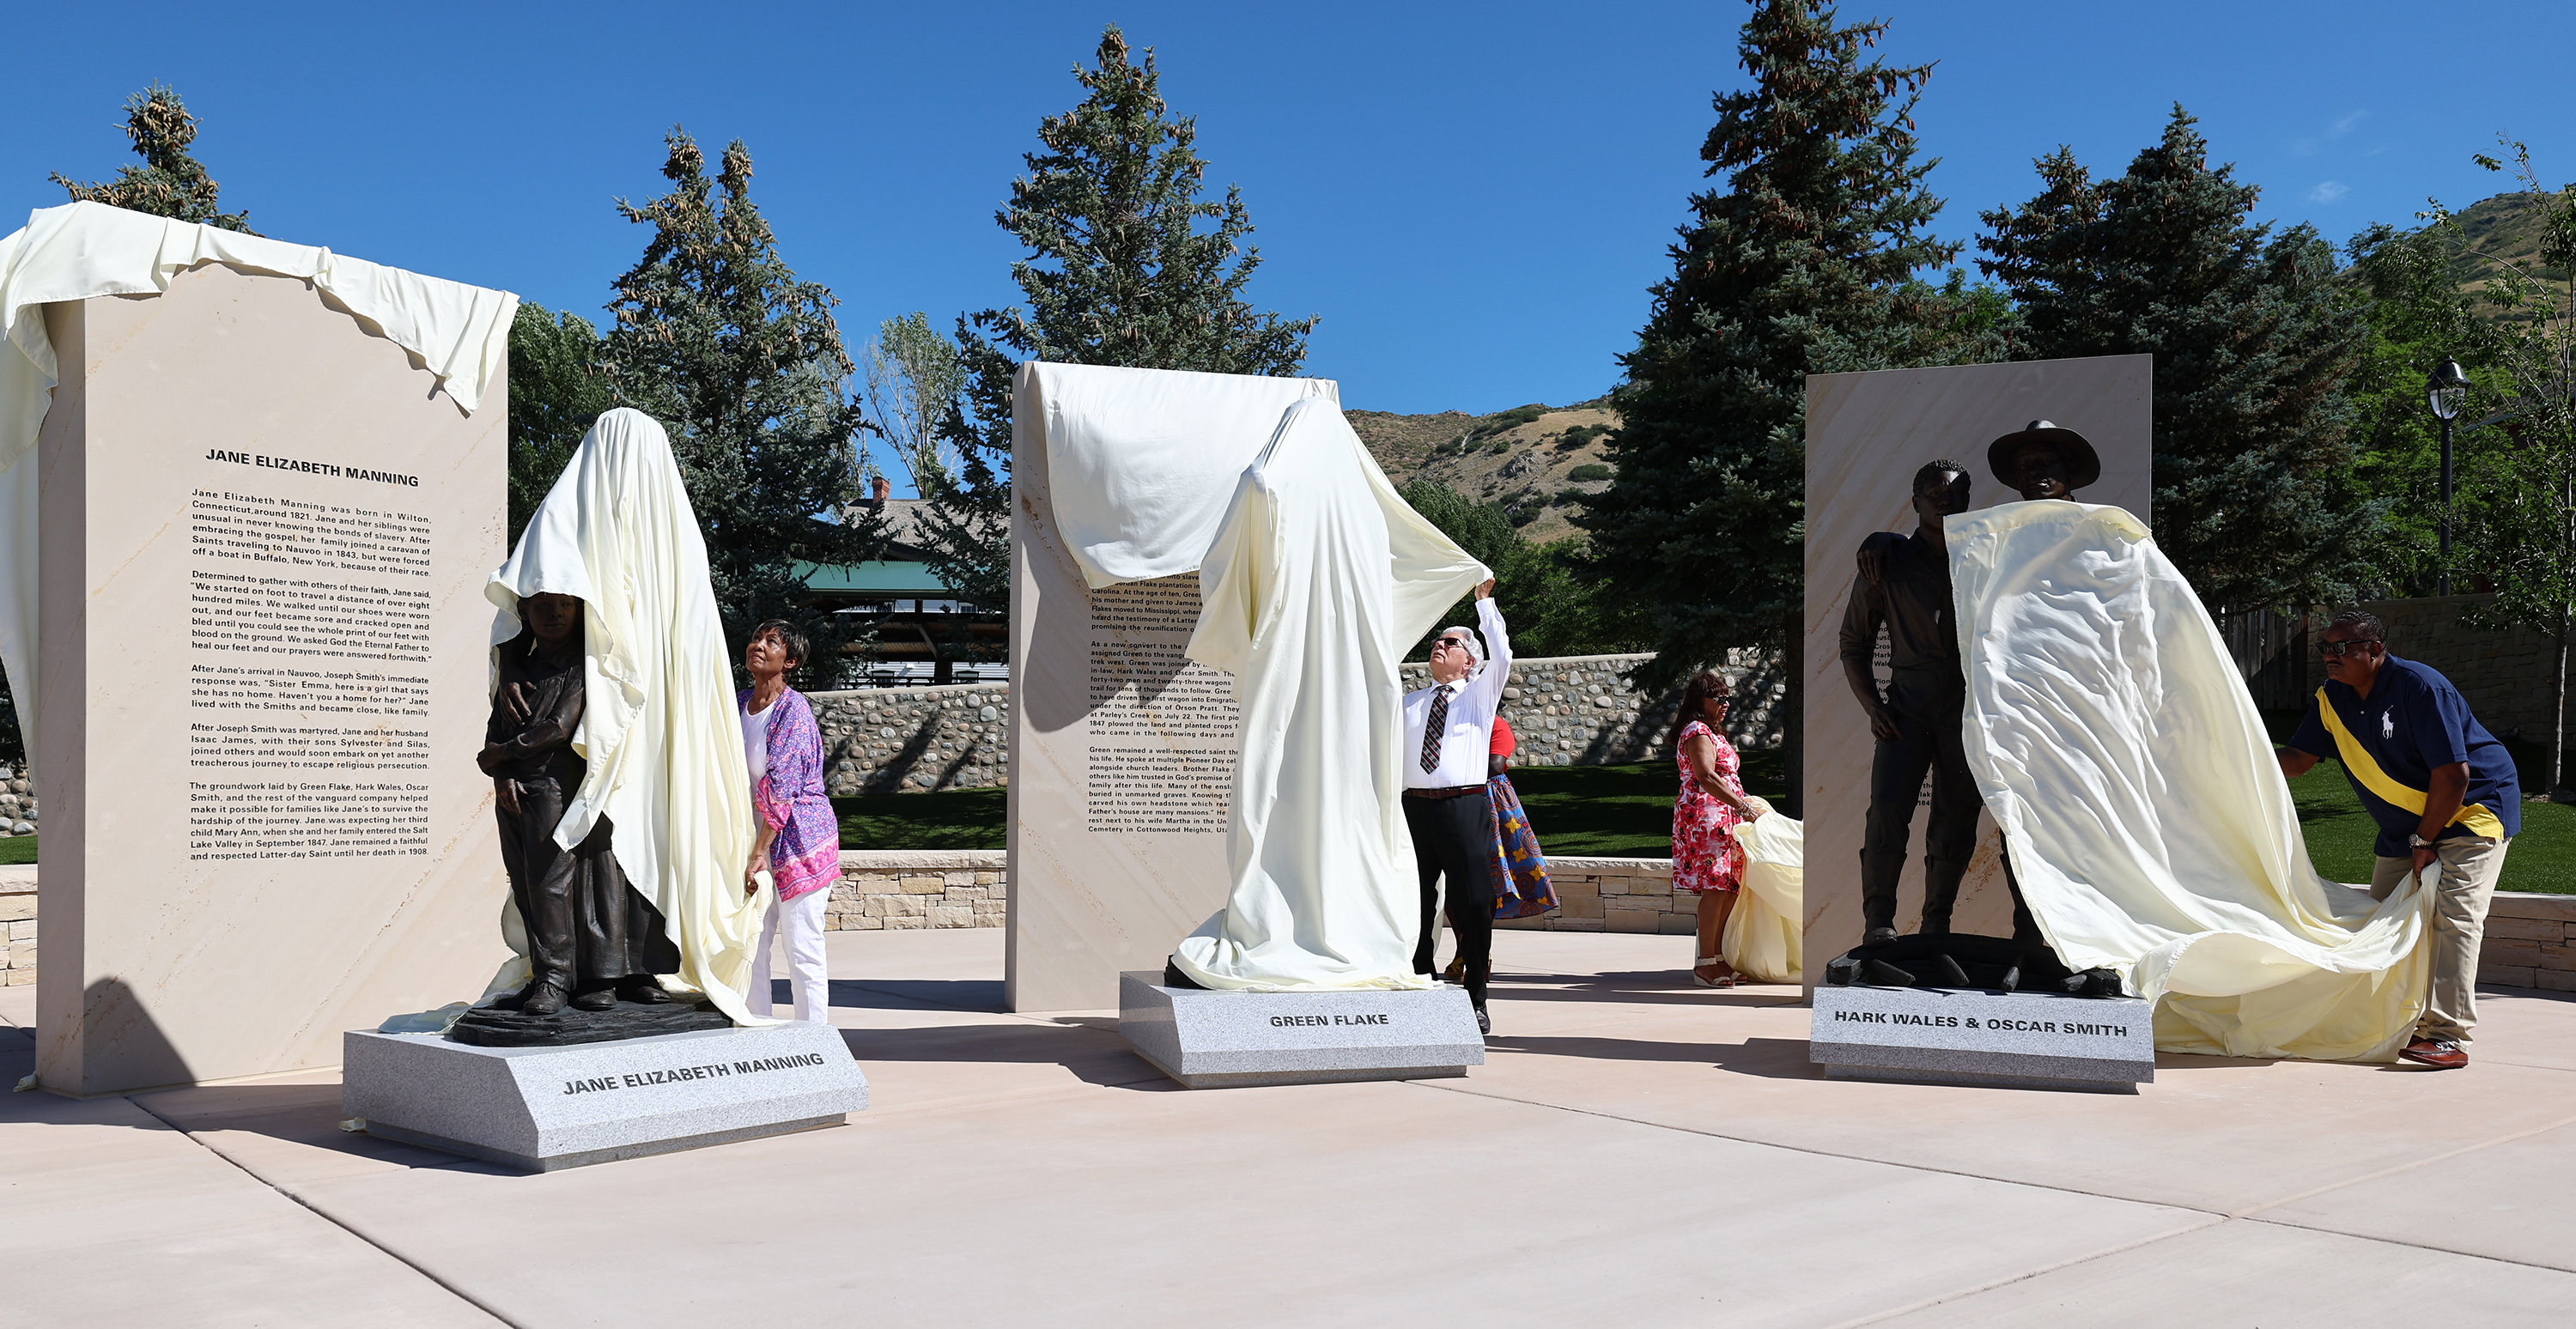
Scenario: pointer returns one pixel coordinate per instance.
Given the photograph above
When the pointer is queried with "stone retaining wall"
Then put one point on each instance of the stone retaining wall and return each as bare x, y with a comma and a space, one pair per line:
2530, 942
17, 803
18, 920
1613, 895
1567, 711
919, 888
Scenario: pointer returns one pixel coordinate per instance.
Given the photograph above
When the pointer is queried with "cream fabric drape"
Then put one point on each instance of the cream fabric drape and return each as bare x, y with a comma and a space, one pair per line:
2146, 816
658, 728
81, 250
1320, 578
1764, 931
1141, 462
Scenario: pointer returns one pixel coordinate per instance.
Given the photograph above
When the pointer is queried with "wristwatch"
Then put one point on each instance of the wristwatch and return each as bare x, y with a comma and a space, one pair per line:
2418, 842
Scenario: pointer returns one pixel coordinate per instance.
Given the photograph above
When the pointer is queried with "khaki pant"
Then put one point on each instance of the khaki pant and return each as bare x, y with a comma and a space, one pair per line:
2468, 866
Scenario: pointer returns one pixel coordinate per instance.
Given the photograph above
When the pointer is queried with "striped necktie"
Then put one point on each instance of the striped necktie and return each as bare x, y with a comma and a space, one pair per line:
1435, 728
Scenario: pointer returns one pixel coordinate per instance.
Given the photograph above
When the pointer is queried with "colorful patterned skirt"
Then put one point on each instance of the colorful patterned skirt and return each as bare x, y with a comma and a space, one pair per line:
1520, 869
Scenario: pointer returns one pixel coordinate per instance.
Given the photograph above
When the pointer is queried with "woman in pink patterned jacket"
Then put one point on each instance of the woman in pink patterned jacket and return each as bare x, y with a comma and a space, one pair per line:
800, 841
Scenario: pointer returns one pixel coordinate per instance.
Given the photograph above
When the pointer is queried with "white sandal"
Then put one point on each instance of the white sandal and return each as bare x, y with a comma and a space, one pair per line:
1727, 982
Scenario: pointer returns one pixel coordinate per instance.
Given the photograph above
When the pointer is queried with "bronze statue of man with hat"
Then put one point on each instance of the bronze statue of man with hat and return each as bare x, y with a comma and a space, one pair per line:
1919, 721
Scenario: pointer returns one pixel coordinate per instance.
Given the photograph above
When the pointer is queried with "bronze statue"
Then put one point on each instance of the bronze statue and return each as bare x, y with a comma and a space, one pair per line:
592, 938
1904, 587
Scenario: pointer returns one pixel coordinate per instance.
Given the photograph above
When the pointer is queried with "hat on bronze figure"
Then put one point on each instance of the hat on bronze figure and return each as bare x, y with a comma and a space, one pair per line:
2083, 467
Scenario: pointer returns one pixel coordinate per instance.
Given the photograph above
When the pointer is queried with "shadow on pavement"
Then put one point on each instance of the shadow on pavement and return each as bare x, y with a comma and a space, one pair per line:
1091, 1055
1655, 987
1770, 1058
888, 994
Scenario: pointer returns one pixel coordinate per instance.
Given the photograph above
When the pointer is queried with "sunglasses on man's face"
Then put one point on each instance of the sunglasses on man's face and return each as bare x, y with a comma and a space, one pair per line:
2336, 649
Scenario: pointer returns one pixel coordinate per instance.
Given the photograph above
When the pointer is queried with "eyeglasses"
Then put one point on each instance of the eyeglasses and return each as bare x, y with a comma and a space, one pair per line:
2336, 649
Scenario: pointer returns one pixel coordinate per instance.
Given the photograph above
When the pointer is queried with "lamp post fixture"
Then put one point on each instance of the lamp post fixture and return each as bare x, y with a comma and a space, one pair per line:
2446, 391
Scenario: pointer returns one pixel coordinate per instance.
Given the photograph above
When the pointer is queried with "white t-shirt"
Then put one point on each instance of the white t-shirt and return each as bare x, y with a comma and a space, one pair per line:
755, 738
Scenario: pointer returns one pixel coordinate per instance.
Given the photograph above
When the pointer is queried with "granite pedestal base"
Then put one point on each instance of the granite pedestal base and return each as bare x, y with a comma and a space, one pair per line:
1211, 1040
548, 1108
2031, 1040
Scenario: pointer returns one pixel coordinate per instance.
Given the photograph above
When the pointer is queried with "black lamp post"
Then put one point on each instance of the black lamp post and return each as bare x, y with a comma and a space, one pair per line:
2446, 391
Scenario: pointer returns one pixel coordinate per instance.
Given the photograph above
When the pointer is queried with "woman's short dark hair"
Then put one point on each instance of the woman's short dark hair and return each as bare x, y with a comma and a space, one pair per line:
799, 648
1705, 684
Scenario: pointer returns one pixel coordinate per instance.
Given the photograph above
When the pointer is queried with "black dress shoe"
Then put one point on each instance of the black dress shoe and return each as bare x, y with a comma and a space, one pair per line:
542, 999
643, 992
1878, 936
597, 999
1484, 1022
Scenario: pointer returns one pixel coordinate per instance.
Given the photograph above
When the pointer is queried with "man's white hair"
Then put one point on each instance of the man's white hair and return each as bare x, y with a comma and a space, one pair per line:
1475, 646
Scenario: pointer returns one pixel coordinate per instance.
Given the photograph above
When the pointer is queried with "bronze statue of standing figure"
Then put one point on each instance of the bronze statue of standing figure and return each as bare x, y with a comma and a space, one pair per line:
592, 938
1905, 584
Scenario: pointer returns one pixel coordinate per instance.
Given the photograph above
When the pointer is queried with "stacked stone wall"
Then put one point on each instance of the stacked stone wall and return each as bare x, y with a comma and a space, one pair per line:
17, 803
1567, 711
18, 922
919, 888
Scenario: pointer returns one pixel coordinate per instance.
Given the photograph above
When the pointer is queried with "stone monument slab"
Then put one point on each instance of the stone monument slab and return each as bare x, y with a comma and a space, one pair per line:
1213, 1040
549, 1108
2031, 1040
262, 670
1867, 433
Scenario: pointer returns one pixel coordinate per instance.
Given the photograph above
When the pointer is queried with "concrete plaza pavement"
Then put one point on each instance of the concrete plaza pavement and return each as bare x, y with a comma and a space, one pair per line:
1634, 1152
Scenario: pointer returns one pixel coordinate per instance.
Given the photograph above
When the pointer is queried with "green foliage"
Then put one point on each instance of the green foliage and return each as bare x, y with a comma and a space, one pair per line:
1578, 436
1499, 422
2520, 507
2252, 337
1803, 263
1590, 471
1551, 595
914, 377
742, 363
1126, 265
557, 391
169, 183
2417, 314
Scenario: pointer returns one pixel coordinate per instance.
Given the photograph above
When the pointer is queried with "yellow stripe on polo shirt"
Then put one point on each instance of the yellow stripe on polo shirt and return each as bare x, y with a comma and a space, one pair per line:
2365, 768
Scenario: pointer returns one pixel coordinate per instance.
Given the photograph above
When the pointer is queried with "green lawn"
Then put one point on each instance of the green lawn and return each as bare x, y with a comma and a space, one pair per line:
949, 819
18, 849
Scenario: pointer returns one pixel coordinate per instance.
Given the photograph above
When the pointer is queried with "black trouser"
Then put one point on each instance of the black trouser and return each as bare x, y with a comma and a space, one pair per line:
1929, 703
587, 928
1455, 836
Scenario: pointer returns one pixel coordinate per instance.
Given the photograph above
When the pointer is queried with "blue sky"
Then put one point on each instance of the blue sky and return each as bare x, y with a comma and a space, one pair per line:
1474, 197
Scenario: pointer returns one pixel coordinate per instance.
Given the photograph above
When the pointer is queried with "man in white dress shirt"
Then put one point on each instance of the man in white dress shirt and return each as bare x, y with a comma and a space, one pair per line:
1447, 730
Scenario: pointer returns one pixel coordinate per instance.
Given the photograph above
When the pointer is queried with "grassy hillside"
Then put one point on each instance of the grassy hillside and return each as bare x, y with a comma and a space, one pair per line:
2507, 228
1538, 461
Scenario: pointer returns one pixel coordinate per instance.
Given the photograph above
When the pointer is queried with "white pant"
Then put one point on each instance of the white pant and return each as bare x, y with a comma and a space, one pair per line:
802, 918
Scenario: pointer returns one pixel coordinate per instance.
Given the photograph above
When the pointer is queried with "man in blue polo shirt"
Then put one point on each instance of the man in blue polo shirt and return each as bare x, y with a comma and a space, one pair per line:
2441, 788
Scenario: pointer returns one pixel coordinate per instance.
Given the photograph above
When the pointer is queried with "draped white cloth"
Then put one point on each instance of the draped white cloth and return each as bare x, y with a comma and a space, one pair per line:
1765, 929
1141, 463
2139, 797
81, 250
1320, 578
1314, 576
659, 728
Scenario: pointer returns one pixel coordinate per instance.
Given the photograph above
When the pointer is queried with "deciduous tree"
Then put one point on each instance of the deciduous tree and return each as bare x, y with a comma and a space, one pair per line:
558, 388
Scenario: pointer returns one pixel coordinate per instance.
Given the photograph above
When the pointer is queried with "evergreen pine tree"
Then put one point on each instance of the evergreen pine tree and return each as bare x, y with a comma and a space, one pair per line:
743, 365
1119, 271
169, 183
1801, 264
2252, 337
557, 389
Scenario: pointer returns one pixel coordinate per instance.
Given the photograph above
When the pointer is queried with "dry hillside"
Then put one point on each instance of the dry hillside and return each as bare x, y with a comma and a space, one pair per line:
2505, 227
1524, 458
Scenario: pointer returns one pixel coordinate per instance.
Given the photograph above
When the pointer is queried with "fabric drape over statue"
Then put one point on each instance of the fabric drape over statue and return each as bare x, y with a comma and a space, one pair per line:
659, 731
2148, 823
1320, 578
1314, 576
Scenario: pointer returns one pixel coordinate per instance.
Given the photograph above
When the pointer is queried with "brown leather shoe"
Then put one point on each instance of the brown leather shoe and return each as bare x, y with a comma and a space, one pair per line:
2439, 1053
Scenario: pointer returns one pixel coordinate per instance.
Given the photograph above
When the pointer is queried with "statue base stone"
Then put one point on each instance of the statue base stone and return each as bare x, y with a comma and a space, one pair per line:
2029, 1040
1211, 1040
549, 1108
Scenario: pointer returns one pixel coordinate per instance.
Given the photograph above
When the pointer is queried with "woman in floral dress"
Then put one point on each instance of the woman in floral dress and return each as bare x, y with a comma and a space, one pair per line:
1707, 861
